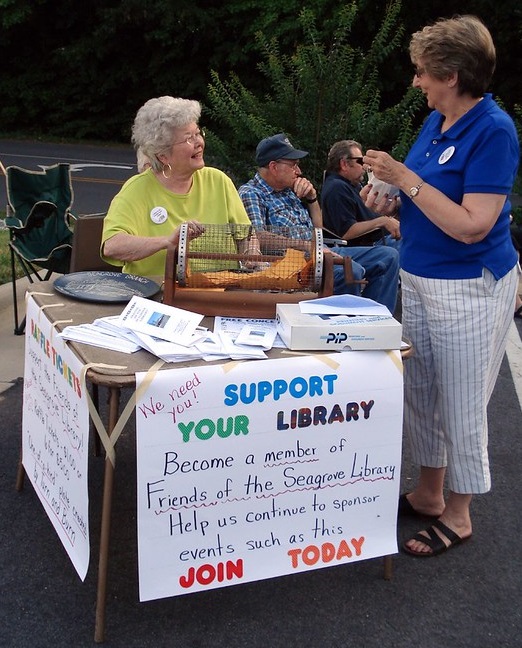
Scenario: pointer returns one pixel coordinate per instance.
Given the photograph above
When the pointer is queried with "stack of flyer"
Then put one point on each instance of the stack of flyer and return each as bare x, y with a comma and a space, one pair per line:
175, 335
338, 323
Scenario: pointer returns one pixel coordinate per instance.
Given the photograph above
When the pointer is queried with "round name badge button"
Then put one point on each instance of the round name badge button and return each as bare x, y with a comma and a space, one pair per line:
158, 215
446, 154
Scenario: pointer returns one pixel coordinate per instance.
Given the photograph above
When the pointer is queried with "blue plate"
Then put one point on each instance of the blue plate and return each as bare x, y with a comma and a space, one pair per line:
105, 287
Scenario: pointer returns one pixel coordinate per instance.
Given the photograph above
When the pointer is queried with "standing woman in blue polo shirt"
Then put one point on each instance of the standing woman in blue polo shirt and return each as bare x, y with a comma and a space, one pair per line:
459, 272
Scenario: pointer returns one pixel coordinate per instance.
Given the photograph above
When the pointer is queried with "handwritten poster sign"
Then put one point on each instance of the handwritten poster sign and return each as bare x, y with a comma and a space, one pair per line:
55, 434
254, 470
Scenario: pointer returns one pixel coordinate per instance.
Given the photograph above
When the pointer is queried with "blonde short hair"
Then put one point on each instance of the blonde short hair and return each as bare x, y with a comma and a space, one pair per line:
461, 44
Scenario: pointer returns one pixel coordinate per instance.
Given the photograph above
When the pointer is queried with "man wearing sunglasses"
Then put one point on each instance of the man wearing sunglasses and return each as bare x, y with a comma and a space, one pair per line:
278, 196
358, 215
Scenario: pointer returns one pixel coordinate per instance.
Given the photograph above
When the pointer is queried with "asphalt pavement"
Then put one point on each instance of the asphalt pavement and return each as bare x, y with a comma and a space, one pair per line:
467, 598
97, 171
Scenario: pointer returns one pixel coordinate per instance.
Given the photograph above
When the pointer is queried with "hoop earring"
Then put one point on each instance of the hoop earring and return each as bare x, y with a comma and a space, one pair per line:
166, 166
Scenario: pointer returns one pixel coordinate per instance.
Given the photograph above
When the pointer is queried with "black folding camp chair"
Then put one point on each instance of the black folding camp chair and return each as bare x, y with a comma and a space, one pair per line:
38, 216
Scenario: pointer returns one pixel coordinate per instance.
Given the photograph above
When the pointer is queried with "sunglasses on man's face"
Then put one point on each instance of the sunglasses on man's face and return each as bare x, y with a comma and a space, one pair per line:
359, 160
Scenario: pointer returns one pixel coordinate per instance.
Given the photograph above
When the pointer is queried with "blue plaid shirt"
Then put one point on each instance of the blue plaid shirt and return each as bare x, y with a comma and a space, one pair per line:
267, 207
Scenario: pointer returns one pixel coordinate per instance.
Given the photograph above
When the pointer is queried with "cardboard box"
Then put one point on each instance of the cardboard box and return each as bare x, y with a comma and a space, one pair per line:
300, 331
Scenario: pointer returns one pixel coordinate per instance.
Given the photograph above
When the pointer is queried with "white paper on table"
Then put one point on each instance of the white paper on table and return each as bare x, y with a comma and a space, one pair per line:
343, 305
211, 348
165, 349
111, 325
160, 321
240, 351
232, 327
177, 358
258, 335
95, 336
212, 357
210, 345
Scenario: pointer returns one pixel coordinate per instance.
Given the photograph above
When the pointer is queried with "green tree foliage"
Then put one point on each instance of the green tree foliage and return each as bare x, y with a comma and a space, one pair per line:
81, 69
325, 90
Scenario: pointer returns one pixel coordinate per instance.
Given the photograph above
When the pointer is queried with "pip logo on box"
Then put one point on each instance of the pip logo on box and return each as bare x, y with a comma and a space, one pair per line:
335, 338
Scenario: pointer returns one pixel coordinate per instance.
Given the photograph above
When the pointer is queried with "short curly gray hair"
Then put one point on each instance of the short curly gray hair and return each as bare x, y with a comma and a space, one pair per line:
156, 121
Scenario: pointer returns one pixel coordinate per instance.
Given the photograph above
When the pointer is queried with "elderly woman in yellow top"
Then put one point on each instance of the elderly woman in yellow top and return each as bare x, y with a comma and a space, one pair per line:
144, 217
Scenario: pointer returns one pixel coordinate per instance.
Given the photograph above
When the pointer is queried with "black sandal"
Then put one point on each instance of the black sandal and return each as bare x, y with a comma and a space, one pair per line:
518, 313
434, 541
407, 510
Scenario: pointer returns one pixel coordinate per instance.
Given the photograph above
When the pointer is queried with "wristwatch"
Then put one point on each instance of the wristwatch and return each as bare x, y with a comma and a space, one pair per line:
414, 191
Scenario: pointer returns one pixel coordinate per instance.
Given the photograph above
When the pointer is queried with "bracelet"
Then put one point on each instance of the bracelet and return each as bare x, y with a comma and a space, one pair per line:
310, 201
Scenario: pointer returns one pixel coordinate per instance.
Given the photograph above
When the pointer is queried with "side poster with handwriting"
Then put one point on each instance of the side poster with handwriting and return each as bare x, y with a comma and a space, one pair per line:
253, 470
55, 434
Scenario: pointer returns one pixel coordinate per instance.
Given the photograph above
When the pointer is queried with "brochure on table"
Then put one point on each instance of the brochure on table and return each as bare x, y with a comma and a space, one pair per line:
250, 471
233, 337
55, 434
160, 321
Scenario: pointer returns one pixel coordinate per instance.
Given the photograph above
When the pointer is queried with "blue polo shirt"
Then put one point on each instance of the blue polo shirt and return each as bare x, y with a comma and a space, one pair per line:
478, 154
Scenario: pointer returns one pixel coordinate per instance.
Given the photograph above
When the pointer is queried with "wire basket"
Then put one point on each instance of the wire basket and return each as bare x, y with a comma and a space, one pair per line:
233, 267
236, 257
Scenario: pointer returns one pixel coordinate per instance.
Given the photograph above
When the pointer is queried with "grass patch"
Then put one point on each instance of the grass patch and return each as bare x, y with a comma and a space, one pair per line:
5, 259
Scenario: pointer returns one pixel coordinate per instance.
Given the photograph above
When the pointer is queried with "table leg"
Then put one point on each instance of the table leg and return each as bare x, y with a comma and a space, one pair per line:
96, 402
388, 567
101, 600
20, 475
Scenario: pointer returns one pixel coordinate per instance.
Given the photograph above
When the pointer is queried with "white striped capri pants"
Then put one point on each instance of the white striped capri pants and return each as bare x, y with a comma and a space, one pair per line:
459, 330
